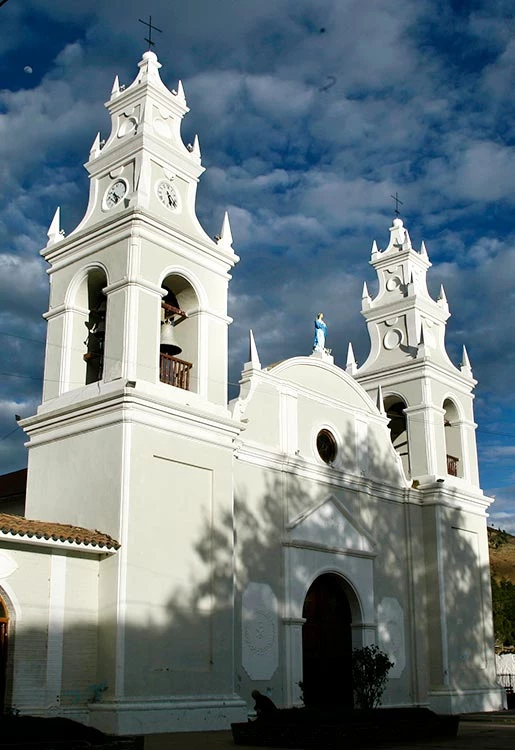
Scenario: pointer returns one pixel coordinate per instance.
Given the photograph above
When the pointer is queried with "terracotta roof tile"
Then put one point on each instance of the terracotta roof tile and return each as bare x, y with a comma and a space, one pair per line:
63, 532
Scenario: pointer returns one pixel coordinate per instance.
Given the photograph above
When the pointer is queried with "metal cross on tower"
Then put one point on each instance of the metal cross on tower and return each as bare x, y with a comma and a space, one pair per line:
397, 202
150, 28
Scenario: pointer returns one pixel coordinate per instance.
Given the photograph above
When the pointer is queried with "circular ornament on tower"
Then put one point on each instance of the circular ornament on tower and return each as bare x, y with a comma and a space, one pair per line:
127, 126
392, 338
326, 446
115, 193
393, 283
167, 194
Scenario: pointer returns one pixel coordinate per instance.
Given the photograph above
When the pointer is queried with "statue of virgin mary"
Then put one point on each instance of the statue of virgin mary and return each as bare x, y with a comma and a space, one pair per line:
320, 333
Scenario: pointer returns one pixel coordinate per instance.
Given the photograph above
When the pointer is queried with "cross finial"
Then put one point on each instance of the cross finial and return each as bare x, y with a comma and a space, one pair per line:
150, 29
397, 202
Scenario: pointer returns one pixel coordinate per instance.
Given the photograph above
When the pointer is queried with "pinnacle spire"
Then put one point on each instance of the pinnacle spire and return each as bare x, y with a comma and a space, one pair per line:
423, 251
365, 297
54, 230
442, 298
351, 365
379, 400
465, 366
225, 236
95, 148
116, 87
253, 354
180, 91
196, 148
375, 249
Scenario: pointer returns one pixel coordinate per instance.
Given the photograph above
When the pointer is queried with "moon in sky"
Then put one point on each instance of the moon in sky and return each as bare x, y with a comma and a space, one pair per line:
27, 69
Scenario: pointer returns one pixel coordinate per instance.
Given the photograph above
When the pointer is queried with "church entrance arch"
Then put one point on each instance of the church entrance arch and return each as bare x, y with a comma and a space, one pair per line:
327, 644
4, 625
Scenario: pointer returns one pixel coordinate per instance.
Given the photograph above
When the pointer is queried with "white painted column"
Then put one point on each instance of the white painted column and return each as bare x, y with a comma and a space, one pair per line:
294, 663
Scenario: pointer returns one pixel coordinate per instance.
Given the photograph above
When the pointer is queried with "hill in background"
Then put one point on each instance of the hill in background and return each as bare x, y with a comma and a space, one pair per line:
502, 554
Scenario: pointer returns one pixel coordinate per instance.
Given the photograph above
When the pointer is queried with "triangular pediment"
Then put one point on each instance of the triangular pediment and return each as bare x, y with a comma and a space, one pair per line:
330, 524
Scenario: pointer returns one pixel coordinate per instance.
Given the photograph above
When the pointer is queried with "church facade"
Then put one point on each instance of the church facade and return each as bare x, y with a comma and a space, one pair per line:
178, 551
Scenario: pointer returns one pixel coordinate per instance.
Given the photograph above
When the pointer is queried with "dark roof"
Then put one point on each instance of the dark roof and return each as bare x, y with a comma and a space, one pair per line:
13, 484
59, 532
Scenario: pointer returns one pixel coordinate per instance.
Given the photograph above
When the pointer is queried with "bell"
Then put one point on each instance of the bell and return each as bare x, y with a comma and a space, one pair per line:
168, 343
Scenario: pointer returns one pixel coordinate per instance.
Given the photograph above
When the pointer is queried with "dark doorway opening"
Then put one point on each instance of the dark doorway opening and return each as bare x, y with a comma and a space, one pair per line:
327, 644
4, 623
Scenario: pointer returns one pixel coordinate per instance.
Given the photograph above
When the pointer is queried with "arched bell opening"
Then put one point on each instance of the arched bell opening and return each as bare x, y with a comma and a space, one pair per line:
394, 407
179, 338
95, 326
453, 444
327, 643
4, 640
85, 329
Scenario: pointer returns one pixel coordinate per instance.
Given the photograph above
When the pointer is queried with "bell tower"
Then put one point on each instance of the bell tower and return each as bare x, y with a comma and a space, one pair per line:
139, 244
428, 400
133, 435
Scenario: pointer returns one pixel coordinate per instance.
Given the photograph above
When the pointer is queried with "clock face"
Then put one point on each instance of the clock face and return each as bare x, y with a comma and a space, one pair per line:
115, 193
167, 195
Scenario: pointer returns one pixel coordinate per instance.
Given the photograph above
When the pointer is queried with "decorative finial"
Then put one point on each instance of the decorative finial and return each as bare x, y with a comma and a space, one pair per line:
195, 151
397, 202
253, 352
465, 367
365, 297
180, 91
151, 28
399, 236
225, 236
95, 148
442, 296
375, 250
351, 365
380, 401
54, 230
116, 87
423, 251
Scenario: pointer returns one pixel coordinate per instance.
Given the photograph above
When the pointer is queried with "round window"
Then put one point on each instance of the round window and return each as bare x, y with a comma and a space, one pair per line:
326, 446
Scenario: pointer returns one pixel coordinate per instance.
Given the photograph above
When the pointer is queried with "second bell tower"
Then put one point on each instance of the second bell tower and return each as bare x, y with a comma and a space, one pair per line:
428, 400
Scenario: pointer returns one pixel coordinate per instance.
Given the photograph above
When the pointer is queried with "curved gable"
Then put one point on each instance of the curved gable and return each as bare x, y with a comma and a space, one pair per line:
325, 379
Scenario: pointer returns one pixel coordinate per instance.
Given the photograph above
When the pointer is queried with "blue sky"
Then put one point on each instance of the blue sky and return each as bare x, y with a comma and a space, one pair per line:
310, 115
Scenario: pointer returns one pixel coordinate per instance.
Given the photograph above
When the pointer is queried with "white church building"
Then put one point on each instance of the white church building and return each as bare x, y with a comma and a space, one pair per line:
179, 551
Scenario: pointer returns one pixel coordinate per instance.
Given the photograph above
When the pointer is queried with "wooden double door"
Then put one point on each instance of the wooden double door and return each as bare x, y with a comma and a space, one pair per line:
327, 645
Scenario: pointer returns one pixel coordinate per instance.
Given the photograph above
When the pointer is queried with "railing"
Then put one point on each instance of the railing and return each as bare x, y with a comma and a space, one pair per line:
452, 466
174, 371
507, 681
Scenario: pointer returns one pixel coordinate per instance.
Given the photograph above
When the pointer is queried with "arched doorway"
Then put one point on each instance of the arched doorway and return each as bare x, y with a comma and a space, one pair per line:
327, 644
4, 624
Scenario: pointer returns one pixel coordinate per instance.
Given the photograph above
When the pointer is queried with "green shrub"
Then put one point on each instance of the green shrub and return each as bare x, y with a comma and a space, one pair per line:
370, 667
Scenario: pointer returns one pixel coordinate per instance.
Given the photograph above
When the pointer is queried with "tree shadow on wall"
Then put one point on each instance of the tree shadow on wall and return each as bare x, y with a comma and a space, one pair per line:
425, 556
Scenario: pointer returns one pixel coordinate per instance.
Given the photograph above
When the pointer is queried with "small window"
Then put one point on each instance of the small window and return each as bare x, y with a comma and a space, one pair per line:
326, 446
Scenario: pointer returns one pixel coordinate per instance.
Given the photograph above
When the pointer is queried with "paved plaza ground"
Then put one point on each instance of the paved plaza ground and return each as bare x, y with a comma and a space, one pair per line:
477, 732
